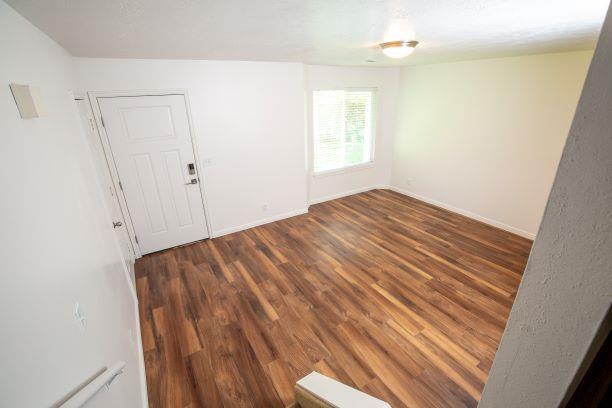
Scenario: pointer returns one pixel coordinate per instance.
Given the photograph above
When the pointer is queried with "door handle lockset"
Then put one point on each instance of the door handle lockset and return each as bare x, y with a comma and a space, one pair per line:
117, 224
193, 181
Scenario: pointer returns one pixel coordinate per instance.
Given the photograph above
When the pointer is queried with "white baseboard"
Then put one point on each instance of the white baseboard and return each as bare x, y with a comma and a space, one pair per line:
469, 214
449, 207
345, 194
259, 222
290, 214
141, 364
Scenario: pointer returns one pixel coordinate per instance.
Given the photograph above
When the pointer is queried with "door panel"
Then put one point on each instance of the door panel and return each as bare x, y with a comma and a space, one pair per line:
149, 193
151, 145
150, 123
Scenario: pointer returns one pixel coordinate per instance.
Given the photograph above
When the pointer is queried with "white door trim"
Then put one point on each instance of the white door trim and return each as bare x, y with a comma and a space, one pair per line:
93, 98
78, 95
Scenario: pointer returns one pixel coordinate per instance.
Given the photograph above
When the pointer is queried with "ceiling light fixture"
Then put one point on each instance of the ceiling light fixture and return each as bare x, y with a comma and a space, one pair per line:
398, 49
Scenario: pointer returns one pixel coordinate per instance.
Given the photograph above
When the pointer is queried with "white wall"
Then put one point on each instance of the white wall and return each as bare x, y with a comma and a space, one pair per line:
507, 116
56, 242
484, 137
566, 289
248, 119
337, 184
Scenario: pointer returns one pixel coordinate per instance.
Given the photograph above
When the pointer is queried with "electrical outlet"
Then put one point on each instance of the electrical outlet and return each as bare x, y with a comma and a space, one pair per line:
408, 181
206, 162
264, 208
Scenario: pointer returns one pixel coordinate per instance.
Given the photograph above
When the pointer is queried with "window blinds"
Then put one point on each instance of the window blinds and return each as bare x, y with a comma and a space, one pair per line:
343, 127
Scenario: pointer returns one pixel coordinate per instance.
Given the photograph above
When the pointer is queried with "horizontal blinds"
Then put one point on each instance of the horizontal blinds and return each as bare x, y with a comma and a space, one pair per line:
342, 128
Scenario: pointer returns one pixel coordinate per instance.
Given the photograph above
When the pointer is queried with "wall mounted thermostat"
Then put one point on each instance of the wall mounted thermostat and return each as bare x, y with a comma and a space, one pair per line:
28, 100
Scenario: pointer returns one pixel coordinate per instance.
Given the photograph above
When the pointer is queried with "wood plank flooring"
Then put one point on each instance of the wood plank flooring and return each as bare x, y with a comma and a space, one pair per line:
383, 292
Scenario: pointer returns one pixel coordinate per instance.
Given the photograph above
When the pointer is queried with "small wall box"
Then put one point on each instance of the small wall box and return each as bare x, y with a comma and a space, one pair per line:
28, 100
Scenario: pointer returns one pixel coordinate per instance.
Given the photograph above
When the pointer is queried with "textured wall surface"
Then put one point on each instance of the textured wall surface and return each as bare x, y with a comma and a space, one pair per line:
340, 32
567, 285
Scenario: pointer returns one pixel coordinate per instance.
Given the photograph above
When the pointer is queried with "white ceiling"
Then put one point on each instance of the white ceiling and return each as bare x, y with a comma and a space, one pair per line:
335, 32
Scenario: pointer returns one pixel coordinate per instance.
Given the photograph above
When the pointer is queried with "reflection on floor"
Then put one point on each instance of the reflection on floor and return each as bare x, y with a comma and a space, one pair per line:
385, 293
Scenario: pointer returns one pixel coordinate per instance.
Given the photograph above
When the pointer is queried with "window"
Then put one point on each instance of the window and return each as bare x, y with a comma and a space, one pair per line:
343, 128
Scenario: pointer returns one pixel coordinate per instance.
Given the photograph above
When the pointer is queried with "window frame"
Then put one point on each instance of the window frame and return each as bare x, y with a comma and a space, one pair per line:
374, 127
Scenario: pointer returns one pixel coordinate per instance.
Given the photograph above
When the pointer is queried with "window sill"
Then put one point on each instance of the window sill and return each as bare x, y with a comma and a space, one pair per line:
342, 170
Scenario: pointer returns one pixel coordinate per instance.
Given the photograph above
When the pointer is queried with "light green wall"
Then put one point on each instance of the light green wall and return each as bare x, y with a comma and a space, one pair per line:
484, 137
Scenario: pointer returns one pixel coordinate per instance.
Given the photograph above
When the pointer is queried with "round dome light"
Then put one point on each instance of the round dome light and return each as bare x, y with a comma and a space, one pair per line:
398, 49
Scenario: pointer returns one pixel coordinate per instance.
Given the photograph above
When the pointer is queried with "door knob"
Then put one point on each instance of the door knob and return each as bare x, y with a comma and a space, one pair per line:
117, 224
193, 181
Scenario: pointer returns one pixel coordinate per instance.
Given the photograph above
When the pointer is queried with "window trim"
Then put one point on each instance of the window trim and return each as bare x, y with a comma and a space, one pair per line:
346, 169
351, 167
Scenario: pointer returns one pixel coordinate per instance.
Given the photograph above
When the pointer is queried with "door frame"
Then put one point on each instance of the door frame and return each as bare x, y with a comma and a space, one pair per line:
110, 160
79, 95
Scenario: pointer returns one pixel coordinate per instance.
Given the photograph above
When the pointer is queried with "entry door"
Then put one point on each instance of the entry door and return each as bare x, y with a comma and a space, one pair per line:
152, 148
110, 195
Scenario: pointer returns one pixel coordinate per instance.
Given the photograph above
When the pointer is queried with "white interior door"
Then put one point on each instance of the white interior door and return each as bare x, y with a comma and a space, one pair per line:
112, 201
152, 148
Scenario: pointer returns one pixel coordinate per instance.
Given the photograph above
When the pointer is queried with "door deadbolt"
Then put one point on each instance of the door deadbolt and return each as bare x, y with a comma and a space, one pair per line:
191, 169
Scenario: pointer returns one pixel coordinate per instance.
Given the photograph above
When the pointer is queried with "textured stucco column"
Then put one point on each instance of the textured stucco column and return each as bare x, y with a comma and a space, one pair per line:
567, 285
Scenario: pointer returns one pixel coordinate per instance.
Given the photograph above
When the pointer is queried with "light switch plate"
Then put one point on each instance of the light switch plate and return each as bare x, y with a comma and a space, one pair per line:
28, 100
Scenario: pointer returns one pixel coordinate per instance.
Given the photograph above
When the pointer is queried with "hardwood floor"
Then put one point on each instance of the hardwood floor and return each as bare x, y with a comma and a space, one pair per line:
385, 293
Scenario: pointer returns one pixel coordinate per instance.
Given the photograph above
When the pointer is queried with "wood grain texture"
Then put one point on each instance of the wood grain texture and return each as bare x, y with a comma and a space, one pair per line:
390, 295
